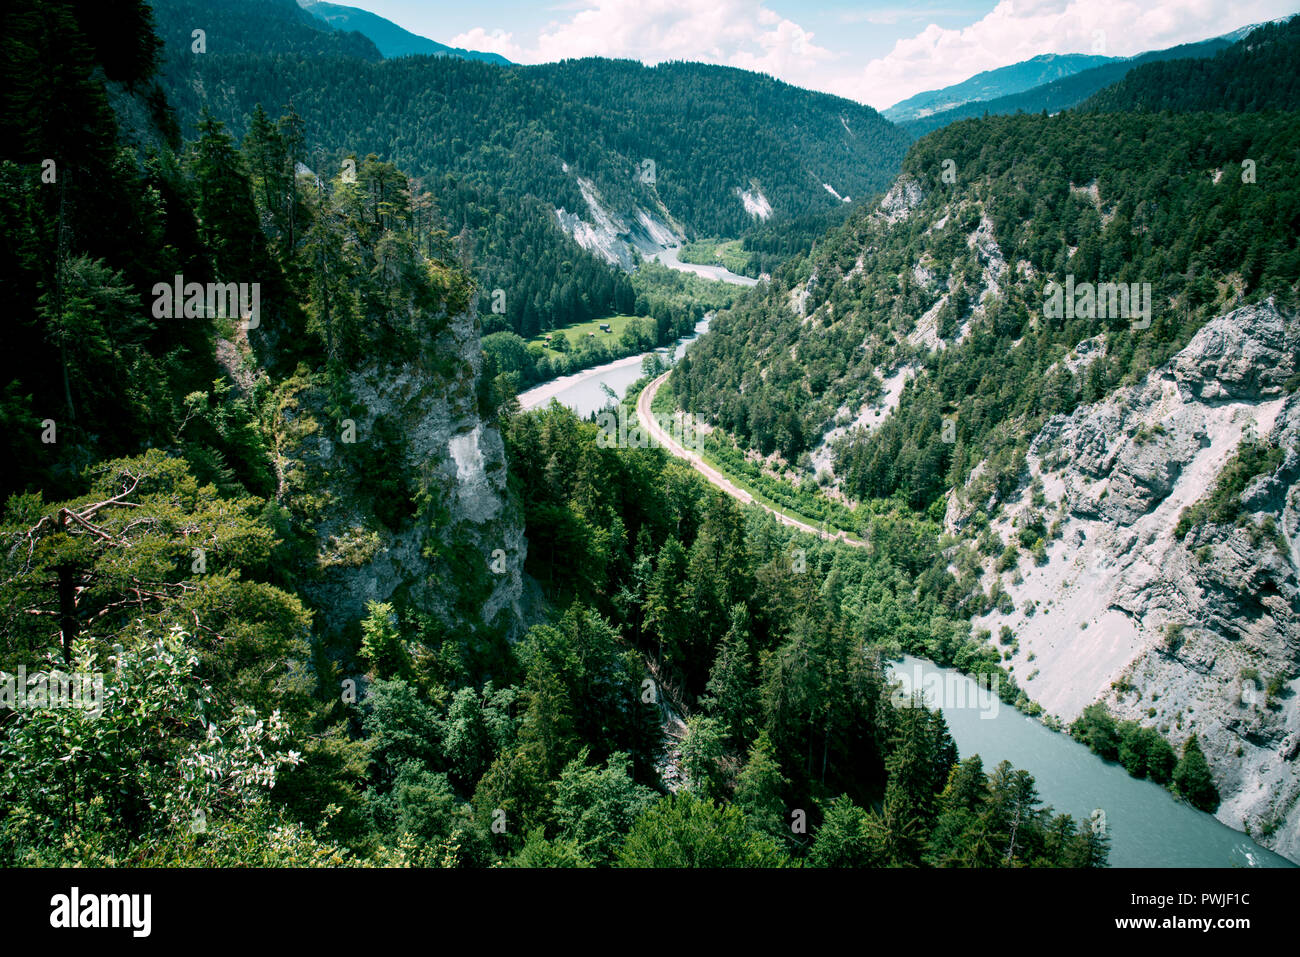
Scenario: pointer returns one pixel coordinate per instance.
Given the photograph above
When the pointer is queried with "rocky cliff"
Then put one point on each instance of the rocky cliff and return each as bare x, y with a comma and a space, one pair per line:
398, 483
1167, 584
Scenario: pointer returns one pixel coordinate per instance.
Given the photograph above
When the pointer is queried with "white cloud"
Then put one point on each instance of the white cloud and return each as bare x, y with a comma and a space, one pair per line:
1017, 30
747, 34
888, 16
489, 41
741, 33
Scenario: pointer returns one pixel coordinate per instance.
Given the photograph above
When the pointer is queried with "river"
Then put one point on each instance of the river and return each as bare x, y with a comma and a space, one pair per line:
584, 391
669, 258
1147, 826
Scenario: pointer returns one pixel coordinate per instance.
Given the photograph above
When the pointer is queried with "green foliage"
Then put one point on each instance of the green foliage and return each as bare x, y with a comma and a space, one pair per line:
995, 820
703, 749
920, 760
538, 852
660, 596
803, 499
848, 837
731, 684
1223, 505
582, 662
500, 148
1192, 778
1098, 730
1258, 72
730, 254
146, 549
595, 807
686, 831
401, 728
1141, 750
381, 641
155, 755
478, 725
760, 790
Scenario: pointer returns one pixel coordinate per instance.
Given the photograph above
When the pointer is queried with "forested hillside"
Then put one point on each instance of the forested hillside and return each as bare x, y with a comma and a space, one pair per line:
284, 535
1070, 341
1261, 72
955, 288
662, 151
253, 26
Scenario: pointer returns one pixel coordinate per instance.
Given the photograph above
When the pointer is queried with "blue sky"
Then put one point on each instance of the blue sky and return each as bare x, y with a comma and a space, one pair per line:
874, 52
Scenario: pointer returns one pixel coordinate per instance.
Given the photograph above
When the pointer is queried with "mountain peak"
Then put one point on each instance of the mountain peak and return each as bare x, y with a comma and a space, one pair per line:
391, 39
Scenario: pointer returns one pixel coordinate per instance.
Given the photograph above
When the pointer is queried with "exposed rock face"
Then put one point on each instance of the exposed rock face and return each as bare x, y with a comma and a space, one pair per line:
903, 197
621, 240
1198, 632
418, 433
984, 241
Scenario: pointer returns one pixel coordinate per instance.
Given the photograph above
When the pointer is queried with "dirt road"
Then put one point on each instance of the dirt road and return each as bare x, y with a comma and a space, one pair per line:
661, 436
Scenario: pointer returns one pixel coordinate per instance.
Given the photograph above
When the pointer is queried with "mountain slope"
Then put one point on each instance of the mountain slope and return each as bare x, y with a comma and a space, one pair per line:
714, 133
950, 278
1064, 93
1168, 587
251, 26
388, 37
991, 84
247, 476
1260, 72
1116, 478
561, 176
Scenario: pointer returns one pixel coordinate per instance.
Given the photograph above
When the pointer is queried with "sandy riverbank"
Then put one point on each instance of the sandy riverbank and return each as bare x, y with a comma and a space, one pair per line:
542, 394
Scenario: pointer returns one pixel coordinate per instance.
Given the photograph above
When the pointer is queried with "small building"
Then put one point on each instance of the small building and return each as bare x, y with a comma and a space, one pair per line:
604, 327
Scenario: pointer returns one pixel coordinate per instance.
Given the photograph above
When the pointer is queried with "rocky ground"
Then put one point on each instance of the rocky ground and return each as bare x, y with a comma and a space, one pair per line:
1192, 633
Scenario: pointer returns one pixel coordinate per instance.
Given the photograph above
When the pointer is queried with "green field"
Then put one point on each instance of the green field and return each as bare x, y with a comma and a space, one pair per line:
729, 253
579, 331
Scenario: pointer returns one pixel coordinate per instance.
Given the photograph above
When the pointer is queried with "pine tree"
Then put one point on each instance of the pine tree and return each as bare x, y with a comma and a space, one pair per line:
760, 788
918, 765
1193, 780
848, 837
732, 686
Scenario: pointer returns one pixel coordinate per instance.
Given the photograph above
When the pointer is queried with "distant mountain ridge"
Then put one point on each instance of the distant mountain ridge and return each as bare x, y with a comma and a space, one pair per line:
391, 39
1064, 93
251, 27
991, 84
918, 116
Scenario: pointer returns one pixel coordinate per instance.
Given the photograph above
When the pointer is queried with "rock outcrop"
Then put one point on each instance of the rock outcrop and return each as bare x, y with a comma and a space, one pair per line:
408, 497
1148, 599
903, 197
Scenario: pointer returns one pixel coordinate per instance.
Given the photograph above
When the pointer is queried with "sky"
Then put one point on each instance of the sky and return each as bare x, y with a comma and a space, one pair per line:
877, 53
